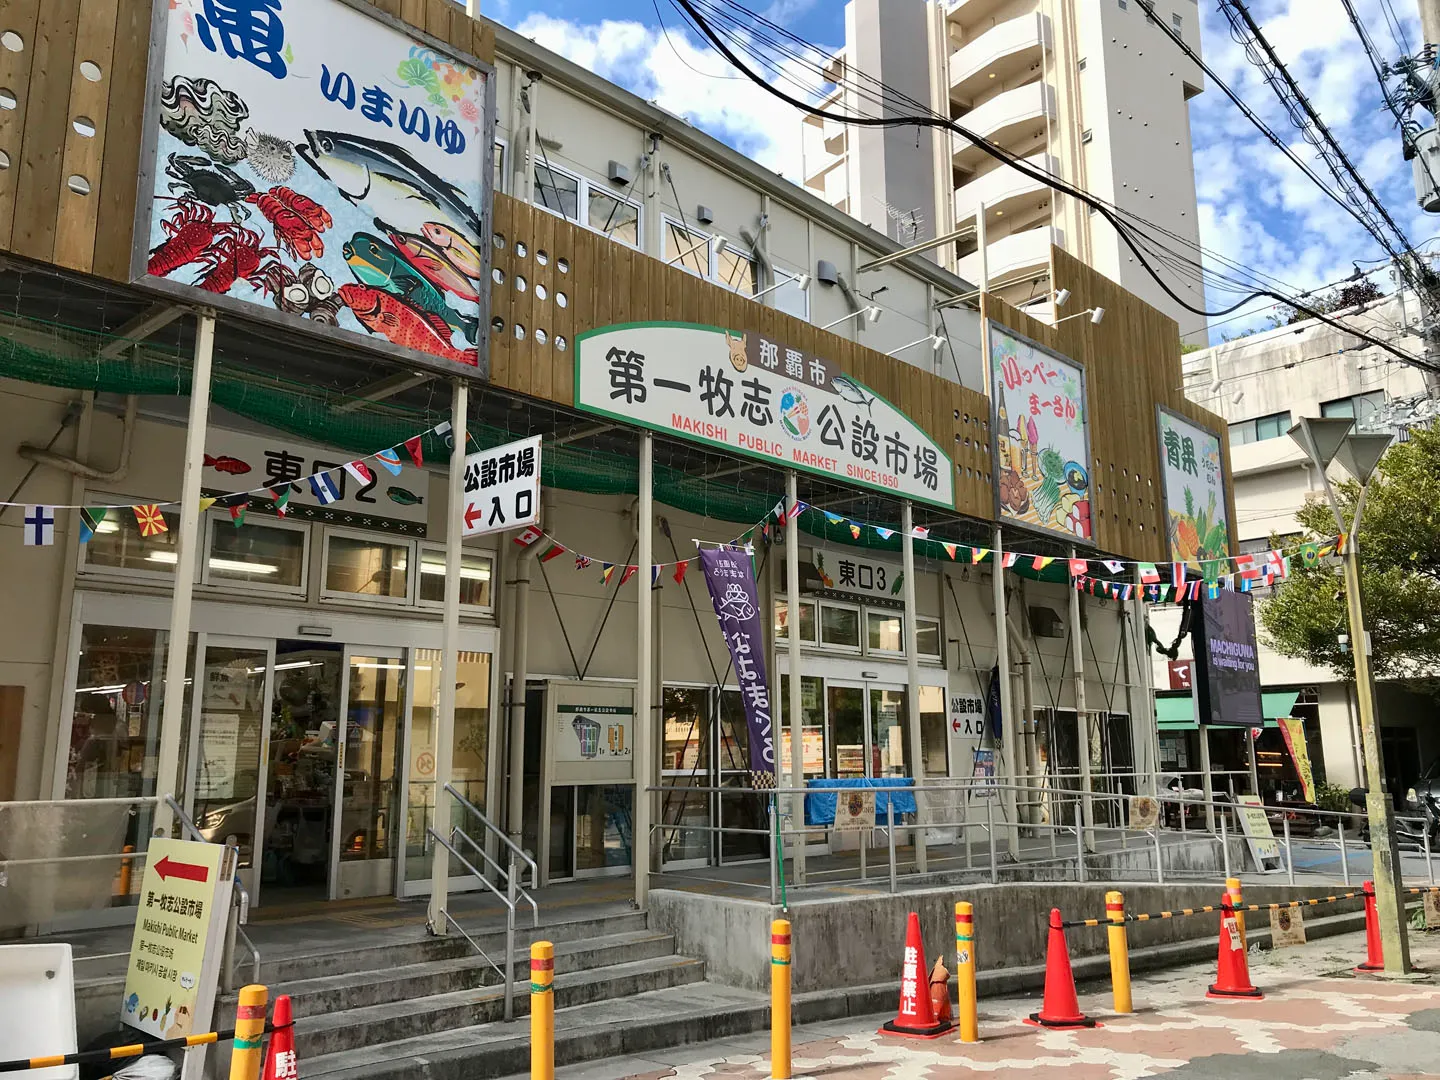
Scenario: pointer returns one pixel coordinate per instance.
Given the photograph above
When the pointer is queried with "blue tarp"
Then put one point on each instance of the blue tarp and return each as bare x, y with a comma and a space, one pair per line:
820, 805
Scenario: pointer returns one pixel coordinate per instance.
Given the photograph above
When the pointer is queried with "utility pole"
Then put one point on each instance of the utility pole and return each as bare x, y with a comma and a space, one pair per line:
1430, 20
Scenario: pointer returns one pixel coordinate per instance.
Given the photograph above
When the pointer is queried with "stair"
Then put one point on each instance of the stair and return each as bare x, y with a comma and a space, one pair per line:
433, 1008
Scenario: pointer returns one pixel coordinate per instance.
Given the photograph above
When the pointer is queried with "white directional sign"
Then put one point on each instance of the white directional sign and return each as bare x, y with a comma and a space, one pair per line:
502, 488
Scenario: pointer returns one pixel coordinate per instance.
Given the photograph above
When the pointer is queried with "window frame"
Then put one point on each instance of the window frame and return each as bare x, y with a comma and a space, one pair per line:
582, 203
502, 158
929, 620
438, 605
666, 224
792, 277
211, 525
812, 643
1365, 397
326, 594
859, 610
865, 639
84, 568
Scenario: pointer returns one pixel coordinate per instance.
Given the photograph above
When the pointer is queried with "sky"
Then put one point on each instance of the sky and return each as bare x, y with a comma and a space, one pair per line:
1256, 206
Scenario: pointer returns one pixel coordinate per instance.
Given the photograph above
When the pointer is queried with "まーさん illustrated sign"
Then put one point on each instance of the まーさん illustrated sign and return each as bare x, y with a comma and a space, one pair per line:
1196, 519
309, 161
1042, 441
755, 396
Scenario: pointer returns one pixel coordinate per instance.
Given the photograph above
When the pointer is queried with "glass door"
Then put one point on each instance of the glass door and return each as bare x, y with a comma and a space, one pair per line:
225, 796
367, 810
845, 709
889, 749
685, 764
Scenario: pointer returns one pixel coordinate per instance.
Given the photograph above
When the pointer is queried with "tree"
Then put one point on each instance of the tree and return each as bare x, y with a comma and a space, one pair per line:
1399, 548
1340, 299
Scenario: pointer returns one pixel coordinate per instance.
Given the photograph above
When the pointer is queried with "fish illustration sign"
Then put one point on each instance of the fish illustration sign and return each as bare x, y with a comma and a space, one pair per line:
1042, 440
1196, 517
752, 395
316, 163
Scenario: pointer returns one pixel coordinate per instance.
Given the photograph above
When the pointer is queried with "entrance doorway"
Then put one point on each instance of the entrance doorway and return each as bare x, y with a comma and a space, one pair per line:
867, 725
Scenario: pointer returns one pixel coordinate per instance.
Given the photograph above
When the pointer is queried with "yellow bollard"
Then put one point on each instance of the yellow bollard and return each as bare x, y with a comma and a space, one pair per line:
247, 1051
780, 1067
1119, 952
965, 972
1237, 901
542, 1011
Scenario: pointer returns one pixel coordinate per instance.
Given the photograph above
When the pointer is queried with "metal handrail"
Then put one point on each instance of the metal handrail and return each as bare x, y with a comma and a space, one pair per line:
520, 891
494, 829
239, 905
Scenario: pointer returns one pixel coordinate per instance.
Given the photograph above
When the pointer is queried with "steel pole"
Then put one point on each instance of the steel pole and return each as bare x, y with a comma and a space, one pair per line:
1388, 903
644, 644
912, 668
1008, 719
1082, 720
793, 704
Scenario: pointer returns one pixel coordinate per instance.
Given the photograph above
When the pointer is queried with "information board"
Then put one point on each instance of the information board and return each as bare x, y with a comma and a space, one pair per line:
502, 488
1250, 813
855, 810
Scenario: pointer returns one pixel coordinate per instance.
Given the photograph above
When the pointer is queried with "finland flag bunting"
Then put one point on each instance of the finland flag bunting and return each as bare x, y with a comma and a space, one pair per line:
39, 526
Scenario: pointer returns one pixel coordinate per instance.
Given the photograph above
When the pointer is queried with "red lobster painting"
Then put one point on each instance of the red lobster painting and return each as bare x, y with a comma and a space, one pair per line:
228, 251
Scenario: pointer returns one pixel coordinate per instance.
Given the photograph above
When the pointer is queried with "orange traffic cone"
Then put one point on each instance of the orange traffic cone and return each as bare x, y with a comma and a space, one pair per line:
1374, 950
280, 1054
916, 1018
1060, 1008
1232, 979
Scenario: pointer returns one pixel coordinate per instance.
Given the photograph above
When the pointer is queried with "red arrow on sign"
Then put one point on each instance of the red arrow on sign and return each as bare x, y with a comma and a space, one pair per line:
167, 868
472, 515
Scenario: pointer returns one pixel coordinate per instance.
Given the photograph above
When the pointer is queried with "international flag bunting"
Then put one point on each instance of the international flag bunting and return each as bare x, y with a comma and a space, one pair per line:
282, 501
237, 512
628, 574
950, 550
582, 562
765, 530
1010, 559
1129, 592
919, 532
554, 551
680, 568
834, 519
1079, 567
1340, 541
1040, 562
325, 488
1310, 554
883, 532
1245, 566
1177, 575
1212, 589
390, 459
206, 503
654, 576
606, 570
528, 536
360, 471
1162, 593
90, 519
1114, 565
40, 526
150, 520
800, 508
854, 531
1148, 574
779, 513
1246, 584
416, 449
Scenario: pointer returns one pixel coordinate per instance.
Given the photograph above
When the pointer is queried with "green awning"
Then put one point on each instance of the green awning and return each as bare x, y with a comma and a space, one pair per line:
1279, 703
1177, 713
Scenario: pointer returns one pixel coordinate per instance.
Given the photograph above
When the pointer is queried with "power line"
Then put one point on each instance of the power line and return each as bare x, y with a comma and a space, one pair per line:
1006, 157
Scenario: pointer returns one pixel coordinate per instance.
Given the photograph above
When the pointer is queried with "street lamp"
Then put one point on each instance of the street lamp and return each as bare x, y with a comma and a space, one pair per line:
1325, 441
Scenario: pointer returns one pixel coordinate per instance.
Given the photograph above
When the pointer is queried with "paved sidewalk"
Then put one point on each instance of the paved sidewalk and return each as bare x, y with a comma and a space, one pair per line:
1317, 1022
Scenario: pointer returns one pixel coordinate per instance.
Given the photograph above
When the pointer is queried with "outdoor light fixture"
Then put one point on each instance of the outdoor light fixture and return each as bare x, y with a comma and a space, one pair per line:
936, 342
802, 283
872, 314
1061, 295
720, 244
1096, 314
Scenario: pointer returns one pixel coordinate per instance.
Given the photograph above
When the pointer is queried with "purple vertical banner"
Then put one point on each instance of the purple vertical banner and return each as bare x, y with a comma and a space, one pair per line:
731, 580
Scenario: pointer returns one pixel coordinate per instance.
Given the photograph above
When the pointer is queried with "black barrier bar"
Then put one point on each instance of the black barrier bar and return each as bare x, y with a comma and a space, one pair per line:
1211, 908
119, 1053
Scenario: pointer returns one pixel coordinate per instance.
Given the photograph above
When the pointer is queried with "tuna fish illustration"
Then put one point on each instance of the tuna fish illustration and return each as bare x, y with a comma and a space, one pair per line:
852, 392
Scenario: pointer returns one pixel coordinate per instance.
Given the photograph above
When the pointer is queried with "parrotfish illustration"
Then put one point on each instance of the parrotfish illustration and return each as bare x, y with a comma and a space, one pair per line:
403, 496
376, 263
431, 264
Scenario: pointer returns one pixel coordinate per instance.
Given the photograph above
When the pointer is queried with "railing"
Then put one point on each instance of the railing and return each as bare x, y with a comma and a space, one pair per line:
238, 915
509, 876
1080, 826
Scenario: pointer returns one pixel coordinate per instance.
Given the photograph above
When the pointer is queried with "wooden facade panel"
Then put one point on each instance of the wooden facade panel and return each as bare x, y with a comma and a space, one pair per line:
125, 108
37, 198
84, 153
20, 18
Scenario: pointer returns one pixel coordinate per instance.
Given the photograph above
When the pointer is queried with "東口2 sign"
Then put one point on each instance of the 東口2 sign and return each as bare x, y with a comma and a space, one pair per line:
502, 488
1042, 441
309, 162
754, 396
1196, 519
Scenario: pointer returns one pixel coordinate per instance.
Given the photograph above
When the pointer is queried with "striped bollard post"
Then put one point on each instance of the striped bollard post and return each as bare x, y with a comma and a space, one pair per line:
542, 1011
965, 972
247, 1050
780, 1067
1119, 952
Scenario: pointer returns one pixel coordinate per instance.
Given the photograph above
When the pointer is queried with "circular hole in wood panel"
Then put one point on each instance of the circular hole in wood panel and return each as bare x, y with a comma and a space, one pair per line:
90, 71
520, 249
4, 160
563, 265
520, 284
12, 41
498, 276
499, 241
541, 336
540, 291
7, 98
542, 257
560, 342
562, 300
497, 325
84, 126
78, 184
519, 332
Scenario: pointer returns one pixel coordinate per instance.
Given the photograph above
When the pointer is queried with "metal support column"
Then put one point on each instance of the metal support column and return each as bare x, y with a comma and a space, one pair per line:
1008, 719
172, 714
1082, 718
449, 659
792, 704
912, 678
644, 653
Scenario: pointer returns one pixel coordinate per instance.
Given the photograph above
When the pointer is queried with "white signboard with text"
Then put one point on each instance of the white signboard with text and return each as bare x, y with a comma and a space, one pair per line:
750, 395
591, 733
848, 572
502, 488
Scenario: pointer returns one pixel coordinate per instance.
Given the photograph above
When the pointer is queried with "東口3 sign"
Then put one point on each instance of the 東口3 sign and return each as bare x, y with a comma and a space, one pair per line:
307, 161
755, 396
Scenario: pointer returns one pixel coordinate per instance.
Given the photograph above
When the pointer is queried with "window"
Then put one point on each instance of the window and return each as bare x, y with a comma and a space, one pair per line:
118, 546
357, 565
686, 248
884, 632
789, 297
1123, 5
812, 727
1260, 429
1357, 406
807, 621
269, 556
1086, 135
839, 627
587, 203
927, 636
499, 178
1177, 22
735, 269
934, 732
1081, 64
476, 570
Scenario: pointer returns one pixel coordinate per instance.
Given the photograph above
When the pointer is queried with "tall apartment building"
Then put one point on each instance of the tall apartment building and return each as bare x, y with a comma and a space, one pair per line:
1090, 91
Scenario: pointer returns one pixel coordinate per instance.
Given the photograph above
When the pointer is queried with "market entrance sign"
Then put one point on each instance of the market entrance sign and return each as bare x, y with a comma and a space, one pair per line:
752, 395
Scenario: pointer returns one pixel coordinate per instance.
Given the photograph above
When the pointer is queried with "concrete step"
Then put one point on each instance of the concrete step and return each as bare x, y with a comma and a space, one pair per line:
603, 1029
358, 989
375, 1025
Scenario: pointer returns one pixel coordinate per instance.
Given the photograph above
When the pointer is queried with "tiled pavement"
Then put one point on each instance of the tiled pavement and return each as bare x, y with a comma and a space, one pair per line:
1317, 1022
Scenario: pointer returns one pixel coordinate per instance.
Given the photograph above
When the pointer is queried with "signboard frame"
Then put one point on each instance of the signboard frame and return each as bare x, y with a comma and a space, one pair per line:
1250, 816
336, 336
502, 488
1205, 682
1001, 515
1160, 412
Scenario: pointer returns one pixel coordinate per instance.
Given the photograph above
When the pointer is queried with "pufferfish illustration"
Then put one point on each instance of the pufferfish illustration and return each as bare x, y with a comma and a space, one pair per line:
736, 345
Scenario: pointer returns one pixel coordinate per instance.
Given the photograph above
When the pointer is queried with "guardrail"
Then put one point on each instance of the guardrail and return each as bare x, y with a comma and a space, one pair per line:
238, 916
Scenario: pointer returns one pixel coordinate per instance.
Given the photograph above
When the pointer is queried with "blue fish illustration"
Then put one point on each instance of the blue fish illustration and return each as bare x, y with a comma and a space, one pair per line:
403, 496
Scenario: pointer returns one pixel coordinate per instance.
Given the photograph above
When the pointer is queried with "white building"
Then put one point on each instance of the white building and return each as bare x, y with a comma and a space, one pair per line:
1092, 93
1262, 385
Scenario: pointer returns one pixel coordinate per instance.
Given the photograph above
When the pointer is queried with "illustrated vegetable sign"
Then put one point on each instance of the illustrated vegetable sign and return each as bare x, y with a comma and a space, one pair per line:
1195, 505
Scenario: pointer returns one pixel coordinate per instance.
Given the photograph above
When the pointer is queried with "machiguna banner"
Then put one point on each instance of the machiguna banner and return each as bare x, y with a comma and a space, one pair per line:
731, 581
